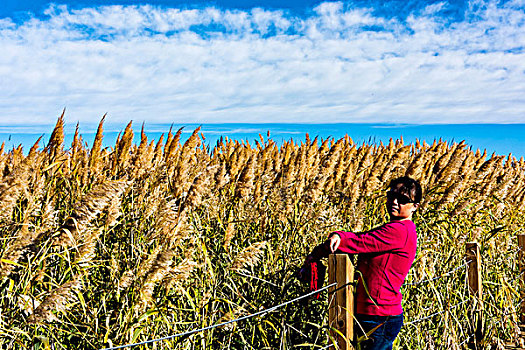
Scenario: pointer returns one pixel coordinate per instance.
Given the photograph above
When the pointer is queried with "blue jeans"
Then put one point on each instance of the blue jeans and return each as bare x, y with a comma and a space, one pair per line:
383, 337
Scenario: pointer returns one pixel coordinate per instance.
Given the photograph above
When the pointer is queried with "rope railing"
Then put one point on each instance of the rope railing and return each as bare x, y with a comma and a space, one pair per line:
519, 276
436, 313
466, 340
184, 334
438, 277
256, 278
507, 313
273, 308
508, 258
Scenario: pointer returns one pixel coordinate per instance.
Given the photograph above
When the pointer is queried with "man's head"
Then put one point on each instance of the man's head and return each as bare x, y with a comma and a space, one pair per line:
403, 198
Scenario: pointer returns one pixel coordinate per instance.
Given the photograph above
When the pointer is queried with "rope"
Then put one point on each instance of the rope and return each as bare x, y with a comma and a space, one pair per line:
435, 314
438, 277
459, 267
504, 260
466, 340
517, 311
341, 287
224, 323
517, 277
295, 329
262, 312
256, 278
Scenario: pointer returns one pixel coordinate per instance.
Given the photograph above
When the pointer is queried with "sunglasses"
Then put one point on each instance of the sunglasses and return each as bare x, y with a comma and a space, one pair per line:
401, 198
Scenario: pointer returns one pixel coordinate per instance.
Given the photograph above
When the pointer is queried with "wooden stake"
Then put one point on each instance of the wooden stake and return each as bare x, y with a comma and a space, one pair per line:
341, 300
521, 261
476, 290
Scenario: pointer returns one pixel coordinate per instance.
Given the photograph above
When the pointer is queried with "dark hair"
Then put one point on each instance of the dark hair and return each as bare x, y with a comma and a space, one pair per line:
409, 187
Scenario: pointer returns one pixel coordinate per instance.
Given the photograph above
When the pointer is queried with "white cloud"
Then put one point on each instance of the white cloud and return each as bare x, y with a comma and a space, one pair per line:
434, 8
209, 65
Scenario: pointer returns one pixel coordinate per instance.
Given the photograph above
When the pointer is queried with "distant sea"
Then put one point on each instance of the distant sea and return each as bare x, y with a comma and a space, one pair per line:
499, 138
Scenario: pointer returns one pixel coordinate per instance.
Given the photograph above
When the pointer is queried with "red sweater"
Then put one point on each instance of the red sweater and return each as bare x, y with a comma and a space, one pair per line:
385, 256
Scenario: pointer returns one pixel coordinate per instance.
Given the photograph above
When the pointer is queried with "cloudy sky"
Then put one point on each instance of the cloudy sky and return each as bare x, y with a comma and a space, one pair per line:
257, 61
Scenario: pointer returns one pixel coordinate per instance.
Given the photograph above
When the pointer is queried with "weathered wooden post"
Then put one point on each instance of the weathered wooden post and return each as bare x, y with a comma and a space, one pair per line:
475, 287
521, 262
341, 300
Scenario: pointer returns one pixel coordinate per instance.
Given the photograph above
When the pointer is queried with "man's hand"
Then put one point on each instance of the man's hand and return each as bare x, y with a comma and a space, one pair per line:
335, 241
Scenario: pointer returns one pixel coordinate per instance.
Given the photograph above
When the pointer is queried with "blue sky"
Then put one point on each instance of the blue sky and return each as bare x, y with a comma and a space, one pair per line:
401, 9
263, 61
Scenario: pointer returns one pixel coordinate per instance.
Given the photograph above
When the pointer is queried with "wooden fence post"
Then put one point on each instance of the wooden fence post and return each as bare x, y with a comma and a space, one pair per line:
475, 287
521, 262
341, 300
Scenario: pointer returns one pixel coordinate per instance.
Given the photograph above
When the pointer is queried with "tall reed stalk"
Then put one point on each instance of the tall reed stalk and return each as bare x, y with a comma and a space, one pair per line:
105, 246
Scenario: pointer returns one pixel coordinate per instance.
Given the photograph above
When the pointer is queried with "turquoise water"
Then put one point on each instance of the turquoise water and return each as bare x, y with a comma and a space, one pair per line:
499, 138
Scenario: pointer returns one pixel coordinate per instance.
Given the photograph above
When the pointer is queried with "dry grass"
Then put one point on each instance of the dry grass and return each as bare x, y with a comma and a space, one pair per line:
105, 246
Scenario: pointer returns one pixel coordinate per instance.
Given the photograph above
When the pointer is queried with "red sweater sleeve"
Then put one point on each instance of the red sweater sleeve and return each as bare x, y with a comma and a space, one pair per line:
382, 239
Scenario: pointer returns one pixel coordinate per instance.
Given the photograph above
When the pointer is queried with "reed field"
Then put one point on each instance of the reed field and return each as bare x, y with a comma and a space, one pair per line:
109, 246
